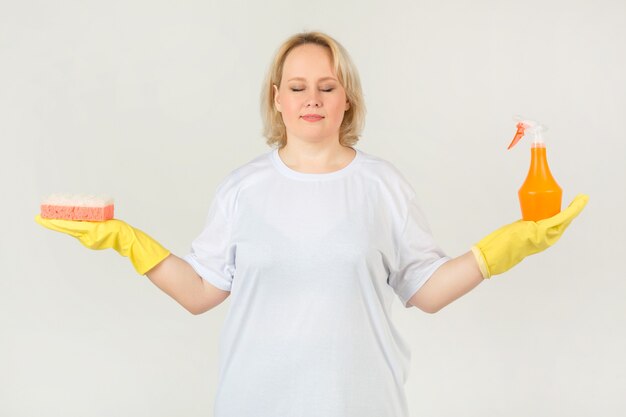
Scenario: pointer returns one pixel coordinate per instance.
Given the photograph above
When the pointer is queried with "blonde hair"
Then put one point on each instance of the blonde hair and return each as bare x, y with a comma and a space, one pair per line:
354, 118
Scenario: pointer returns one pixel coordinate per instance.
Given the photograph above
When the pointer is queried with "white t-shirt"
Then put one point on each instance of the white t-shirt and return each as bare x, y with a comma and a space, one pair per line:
312, 262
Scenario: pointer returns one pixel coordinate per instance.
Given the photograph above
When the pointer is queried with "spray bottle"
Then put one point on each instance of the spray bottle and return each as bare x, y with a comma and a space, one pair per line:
540, 195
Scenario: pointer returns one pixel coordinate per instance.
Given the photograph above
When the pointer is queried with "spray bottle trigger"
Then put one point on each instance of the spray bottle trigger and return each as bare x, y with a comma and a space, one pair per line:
518, 135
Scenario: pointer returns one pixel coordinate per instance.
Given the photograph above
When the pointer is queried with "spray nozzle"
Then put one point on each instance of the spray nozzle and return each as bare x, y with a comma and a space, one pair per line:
525, 126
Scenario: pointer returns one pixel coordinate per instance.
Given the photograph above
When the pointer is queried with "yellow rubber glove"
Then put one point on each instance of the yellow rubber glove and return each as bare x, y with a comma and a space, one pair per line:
507, 246
143, 251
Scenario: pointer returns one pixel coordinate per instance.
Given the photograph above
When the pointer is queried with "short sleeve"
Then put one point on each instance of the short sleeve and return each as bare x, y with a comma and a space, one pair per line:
212, 254
417, 255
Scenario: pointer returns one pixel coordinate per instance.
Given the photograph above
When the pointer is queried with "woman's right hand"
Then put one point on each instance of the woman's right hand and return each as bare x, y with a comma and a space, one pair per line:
144, 252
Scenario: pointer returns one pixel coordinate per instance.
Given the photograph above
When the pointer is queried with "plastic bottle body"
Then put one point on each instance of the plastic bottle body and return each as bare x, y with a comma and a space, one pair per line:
540, 196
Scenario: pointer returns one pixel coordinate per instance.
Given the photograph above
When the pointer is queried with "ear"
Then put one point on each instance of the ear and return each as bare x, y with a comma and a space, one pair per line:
347, 105
276, 98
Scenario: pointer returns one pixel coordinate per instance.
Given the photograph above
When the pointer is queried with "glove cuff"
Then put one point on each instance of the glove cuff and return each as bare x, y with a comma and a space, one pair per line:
146, 253
482, 263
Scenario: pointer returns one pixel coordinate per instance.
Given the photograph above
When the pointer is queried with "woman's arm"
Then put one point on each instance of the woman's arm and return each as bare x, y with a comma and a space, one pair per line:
449, 282
170, 273
496, 253
181, 282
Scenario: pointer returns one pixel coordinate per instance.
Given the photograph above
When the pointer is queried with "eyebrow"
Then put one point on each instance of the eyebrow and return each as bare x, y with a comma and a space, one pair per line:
321, 79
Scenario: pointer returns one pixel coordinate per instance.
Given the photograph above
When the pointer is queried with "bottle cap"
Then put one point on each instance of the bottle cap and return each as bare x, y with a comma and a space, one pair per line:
525, 126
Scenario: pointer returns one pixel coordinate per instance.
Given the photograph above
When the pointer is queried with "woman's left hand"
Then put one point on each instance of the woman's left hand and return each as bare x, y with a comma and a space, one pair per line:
507, 246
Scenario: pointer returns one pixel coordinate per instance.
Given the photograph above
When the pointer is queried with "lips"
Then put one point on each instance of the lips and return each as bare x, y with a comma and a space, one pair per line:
312, 117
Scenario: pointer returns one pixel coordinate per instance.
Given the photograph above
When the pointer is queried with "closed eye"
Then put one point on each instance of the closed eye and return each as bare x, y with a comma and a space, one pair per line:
328, 90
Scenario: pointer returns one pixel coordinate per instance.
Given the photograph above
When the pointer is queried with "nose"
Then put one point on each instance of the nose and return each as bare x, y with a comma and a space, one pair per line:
313, 100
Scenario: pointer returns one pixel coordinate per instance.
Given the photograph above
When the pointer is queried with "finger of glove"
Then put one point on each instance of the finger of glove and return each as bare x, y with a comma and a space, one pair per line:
70, 227
554, 227
565, 217
93, 235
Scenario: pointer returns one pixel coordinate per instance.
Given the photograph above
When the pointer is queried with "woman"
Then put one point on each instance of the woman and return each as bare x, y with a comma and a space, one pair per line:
314, 239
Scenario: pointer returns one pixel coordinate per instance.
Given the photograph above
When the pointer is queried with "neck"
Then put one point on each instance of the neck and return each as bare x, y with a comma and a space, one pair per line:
316, 157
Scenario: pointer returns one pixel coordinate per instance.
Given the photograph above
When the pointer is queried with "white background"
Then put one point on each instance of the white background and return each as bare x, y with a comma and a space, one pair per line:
154, 102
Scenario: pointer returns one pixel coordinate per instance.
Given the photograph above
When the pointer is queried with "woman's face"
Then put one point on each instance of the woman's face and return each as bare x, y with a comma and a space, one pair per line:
309, 86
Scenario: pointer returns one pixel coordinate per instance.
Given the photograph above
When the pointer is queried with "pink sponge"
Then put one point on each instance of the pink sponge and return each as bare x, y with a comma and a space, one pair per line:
77, 207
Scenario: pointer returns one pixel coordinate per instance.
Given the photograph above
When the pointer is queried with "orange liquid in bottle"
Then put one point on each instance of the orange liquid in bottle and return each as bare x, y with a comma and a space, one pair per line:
540, 195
